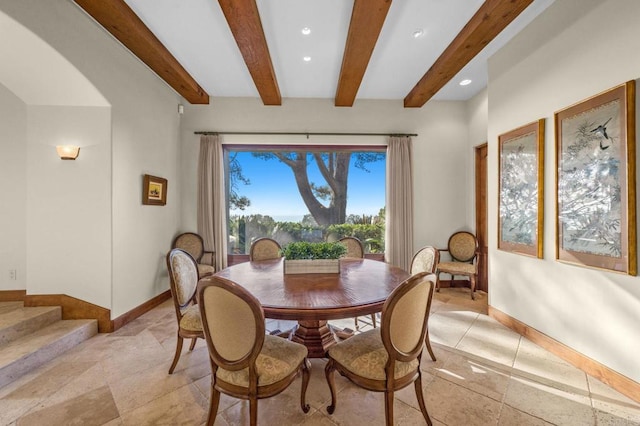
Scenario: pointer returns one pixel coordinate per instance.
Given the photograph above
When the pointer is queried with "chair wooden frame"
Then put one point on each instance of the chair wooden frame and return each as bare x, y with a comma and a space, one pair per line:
416, 268
253, 392
193, 244
391, 384
180, 307
254, 253
460, 257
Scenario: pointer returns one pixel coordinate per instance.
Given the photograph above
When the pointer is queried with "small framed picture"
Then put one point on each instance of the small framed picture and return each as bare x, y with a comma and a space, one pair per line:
154, 191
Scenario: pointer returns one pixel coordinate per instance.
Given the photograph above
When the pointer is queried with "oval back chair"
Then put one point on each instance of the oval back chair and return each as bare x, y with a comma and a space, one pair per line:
463, 249
264, 249
354, 247
387, 359
246, 363
194, 245
183, 280
426, 260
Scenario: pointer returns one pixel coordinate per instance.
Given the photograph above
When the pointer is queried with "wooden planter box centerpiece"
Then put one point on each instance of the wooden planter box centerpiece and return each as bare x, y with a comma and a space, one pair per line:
312, 258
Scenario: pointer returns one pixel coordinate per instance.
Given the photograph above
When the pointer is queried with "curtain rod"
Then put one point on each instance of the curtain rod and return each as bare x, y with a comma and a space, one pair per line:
307, 134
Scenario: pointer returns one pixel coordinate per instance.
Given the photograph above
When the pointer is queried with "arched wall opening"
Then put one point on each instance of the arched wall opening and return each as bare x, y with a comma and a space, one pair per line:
56, 238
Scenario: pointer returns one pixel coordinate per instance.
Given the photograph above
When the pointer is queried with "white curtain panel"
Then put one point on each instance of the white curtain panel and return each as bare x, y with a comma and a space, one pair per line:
212, 214
399, 214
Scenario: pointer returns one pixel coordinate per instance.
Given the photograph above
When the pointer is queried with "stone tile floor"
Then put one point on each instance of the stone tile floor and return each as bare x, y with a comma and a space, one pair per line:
485, 375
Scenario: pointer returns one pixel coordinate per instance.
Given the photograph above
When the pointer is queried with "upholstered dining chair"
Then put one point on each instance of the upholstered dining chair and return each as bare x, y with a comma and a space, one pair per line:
463, 249
246, 363
387, 359
194, 245
183, 280
264, 249
355, 249
425, 260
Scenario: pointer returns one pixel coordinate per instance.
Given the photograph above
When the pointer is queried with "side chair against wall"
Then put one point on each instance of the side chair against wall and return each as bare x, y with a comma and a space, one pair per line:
264, 249
194, 245
355, 249
463, 249
183, 279
387, 359
246, 363
425, 260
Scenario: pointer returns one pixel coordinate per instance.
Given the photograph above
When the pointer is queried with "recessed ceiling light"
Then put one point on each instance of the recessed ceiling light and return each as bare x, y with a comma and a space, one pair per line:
306, 31
418, 33
465, 82
306, 58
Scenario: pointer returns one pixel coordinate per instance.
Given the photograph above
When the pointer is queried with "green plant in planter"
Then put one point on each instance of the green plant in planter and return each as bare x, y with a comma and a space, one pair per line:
305, 250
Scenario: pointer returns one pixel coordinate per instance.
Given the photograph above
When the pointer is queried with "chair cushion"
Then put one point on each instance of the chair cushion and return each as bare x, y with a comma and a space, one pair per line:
365, 355
191, 319
205, 270
278, 358
457, 268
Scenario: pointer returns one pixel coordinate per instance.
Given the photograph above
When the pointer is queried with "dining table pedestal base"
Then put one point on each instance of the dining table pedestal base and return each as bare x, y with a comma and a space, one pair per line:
316, 336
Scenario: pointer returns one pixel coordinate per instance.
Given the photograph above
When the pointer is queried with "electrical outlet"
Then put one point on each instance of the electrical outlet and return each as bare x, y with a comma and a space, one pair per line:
13, 274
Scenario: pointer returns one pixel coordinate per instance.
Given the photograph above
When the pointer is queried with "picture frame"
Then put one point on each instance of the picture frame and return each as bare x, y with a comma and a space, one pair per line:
521, 190
595, 181
154, 190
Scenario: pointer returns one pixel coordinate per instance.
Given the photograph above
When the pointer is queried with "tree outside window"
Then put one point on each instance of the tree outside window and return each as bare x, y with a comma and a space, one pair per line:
302, 194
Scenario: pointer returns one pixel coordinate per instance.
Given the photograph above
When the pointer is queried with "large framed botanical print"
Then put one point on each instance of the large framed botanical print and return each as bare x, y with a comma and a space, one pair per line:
521, 191
595, 178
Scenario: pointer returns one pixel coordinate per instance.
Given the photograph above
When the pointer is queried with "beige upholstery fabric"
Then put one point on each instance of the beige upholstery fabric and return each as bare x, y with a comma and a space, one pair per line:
264, 249
185, 276
231, 323
191, 319
354, 247
424, 260
193, 244
278, 358
462, 246
204, 270
365, 355
408, 316
457, 268
190, 243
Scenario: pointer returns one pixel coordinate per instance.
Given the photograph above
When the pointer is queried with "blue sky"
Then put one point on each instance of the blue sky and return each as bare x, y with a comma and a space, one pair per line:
273, 190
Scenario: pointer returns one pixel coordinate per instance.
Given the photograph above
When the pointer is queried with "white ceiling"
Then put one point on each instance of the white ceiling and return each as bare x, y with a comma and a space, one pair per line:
197, 34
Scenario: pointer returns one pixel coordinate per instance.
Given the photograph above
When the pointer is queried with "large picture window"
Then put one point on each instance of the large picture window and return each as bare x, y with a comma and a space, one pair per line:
305, 194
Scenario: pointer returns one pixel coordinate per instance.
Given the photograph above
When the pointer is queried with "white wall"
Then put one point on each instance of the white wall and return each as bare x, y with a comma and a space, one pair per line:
440, 188
69, 203
13, 186
128, 240
572, 51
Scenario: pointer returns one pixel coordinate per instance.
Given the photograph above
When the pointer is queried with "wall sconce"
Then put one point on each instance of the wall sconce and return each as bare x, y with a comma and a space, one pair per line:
68, 152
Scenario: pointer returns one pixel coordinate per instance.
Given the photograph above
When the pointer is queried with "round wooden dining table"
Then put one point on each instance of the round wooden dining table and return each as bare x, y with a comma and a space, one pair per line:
361, 288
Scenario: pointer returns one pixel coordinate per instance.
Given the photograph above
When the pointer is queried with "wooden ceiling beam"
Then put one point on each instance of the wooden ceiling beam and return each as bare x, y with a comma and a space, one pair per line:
367, 19
244, 21
492, 17
118, 18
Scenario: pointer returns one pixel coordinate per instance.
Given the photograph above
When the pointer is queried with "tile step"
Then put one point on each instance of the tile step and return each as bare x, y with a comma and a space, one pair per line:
21, 321
26, 353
